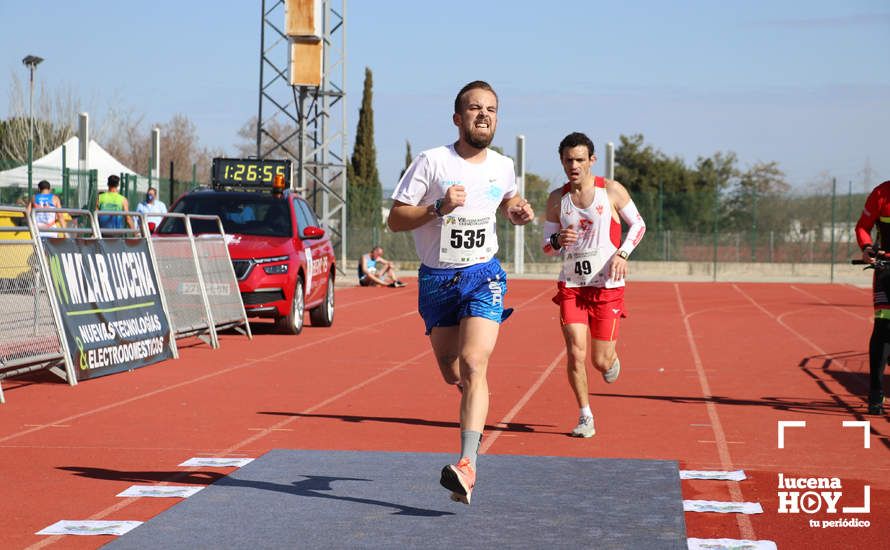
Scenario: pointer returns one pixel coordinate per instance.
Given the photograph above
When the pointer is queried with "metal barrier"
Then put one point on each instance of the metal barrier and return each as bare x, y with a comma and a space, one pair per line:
221, 285
31, 336
140, 229
183, 283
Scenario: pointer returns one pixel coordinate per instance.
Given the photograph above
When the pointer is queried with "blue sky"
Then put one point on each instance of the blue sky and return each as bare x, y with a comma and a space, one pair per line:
803, 83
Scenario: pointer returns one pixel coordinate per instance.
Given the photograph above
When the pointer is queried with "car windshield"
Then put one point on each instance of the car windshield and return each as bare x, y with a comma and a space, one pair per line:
245, 214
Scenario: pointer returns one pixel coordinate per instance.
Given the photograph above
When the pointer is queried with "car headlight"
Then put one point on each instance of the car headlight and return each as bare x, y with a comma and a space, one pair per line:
271, 259
275, 269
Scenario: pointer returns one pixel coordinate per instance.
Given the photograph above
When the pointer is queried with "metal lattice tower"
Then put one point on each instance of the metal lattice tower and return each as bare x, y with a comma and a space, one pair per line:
313, 117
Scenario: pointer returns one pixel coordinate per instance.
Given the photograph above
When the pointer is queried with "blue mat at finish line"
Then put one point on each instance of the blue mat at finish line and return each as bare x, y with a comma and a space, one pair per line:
348, 499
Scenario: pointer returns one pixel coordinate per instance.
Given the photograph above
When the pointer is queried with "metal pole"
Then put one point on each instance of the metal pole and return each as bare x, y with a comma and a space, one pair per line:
259, 119
343, 129
301, 153
772, 243
753, 224
519, 234
31, 133
716, 206
849, 224
833, 201
64, 179
661, 216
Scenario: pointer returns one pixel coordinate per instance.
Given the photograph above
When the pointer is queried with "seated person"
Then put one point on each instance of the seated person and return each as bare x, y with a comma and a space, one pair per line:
373, 269
240, 213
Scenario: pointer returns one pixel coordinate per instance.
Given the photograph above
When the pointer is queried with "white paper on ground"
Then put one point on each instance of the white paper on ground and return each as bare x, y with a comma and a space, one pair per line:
736, 475
89, 527
730, 544
217, 462
722, 507
180, 491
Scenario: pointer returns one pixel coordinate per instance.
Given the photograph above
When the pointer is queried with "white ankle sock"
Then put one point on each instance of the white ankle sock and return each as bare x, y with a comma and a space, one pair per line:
585, 411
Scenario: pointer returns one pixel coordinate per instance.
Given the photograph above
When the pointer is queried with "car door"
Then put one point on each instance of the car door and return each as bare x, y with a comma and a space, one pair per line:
320, 251
309, 246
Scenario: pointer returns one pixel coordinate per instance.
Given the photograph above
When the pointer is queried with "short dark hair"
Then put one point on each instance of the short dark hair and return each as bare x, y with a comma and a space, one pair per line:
476, 84
576, 139
44, 185
113, 181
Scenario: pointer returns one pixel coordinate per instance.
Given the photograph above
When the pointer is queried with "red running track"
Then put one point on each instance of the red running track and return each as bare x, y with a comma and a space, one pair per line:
707, 371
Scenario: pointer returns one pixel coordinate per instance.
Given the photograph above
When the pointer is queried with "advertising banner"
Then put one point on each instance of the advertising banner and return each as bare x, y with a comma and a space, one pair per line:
110, 304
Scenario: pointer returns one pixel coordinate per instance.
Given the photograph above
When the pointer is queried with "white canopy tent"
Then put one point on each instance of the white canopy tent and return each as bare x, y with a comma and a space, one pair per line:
49, 167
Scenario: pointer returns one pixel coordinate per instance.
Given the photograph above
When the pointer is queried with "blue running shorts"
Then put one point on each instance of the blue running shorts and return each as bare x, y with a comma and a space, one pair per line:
446, 296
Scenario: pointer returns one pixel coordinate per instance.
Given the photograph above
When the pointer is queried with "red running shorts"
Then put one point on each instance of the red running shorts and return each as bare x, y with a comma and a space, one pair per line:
599, 308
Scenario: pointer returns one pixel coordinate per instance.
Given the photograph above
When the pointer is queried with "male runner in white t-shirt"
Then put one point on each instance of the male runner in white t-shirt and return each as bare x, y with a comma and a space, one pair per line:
449, 197
583, 225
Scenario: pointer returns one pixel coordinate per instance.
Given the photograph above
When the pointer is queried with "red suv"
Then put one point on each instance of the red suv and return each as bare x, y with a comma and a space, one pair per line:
283, 260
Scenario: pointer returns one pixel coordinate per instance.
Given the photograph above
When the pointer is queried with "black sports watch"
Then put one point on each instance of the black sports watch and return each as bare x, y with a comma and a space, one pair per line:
437, 207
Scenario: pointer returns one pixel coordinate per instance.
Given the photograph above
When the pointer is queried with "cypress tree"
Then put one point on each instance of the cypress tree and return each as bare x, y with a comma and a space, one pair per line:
408, 158
364, 189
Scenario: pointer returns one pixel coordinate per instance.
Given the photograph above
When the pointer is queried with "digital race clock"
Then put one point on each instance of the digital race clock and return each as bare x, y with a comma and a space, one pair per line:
228, 172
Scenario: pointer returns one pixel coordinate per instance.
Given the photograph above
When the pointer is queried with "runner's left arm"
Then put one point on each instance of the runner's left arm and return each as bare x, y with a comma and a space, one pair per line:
518, 210
865, 224
629, 213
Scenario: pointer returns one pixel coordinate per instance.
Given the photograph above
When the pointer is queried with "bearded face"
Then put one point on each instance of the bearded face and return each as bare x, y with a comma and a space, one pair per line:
478, 118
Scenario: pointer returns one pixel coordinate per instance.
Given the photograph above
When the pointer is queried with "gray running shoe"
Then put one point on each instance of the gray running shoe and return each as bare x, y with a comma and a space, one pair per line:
612, 374
584, 428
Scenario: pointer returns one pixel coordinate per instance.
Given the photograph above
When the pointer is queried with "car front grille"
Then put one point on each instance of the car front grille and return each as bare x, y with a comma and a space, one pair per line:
257, 298
242, 268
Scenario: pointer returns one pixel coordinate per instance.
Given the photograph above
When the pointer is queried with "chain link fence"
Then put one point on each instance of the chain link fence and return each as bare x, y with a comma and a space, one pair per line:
780, 229
220, 282
29, 337
179, 275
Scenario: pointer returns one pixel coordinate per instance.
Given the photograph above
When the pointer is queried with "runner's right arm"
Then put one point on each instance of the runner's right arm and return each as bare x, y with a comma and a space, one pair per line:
555, 237
551, 243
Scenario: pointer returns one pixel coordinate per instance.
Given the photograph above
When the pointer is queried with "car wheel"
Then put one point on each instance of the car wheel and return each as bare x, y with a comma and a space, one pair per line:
323, 315
293, 323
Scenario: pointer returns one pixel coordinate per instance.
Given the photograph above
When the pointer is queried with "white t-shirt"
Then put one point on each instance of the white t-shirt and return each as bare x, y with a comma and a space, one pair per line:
486, 184
154, 207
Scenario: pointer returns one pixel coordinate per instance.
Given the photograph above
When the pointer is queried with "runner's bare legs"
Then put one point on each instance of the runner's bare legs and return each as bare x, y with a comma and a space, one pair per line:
478, 337
462, 353
603, 355
576, 337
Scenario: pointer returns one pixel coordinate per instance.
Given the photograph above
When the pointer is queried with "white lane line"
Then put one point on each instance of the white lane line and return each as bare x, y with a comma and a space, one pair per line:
489, 441
735, 492
213, 374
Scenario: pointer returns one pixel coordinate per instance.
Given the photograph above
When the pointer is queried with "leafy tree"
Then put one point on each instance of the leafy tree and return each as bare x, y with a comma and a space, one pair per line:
751, 203
131, 144
55, 121
712, 176
275, 133
668, 193
536, 190
646, 172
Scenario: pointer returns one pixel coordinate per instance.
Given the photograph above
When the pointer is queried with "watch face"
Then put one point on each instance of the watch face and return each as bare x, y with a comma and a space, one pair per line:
228, 172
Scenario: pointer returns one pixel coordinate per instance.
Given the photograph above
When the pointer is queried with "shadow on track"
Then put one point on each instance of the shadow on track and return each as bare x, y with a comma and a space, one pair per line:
315, 487
196, 478
510, 427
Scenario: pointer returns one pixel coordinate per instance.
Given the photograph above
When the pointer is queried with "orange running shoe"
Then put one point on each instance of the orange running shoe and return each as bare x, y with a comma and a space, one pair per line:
460, 479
